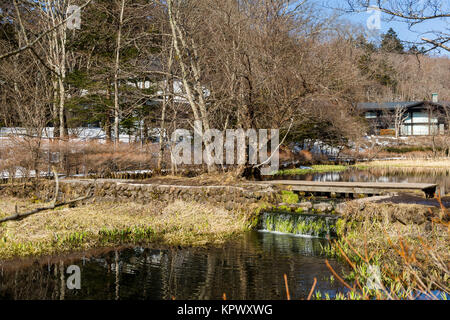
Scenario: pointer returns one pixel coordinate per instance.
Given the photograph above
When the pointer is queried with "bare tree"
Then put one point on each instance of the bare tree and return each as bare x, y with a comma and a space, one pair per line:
439, 121
29, 45
400, 116
413, 12
186, 49
116, 72
27, 92
395, 118
447, 126
53, 14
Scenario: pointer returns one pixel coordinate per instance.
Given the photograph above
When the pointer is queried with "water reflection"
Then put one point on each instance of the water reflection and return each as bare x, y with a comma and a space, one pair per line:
249, 268
441, 178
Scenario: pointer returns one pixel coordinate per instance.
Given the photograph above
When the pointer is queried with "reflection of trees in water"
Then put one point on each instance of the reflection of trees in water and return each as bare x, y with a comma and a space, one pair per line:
249, 269
440, 177
34, 283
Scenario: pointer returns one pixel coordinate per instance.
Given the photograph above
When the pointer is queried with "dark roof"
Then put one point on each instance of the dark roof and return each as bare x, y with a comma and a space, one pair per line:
393, 105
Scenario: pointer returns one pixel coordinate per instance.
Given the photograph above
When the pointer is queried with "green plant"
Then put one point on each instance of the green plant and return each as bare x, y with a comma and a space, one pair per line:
289, 197
313, 169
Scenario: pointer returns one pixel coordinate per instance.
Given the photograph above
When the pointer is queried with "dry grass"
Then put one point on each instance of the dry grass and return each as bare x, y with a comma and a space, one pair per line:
413, 256
74, 157
219, 178
179, 223
197, 224
385, 224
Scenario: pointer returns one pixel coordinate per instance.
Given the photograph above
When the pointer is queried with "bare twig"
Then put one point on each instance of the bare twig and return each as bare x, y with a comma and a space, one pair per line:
312, 289
20, 216
287, 287
29, 45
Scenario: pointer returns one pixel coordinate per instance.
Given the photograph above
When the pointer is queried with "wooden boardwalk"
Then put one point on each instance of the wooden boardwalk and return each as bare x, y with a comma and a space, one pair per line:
371, 188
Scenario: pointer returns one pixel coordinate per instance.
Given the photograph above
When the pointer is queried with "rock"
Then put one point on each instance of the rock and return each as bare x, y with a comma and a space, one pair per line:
323, 207
341, 208
293, 206
412, 215
305, 205
229, 205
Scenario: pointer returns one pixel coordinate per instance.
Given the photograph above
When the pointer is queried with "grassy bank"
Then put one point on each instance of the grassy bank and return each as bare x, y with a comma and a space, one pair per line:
418, 165
109, 224
314, 169
410, 251
439, 164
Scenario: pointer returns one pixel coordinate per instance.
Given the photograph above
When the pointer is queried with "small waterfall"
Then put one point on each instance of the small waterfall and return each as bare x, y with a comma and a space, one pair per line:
312, 225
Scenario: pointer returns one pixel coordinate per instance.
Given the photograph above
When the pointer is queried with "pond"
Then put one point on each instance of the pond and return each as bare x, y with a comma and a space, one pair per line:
411, 175
250, 267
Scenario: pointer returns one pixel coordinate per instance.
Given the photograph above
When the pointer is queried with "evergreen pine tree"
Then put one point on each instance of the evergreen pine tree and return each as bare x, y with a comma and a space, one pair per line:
390, 42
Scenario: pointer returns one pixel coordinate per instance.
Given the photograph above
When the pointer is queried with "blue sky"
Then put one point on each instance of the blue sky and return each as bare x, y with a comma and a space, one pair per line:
401, 28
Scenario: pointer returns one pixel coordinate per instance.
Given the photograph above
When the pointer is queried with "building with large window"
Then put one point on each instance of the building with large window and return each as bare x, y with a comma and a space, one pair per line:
409, 118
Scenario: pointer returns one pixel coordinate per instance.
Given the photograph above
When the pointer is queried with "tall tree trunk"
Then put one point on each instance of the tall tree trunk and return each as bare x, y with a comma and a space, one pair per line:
116, 75
57, 58
193, 87
161, 136
167, 99
107, 127
55, 109
107, 119
62, 96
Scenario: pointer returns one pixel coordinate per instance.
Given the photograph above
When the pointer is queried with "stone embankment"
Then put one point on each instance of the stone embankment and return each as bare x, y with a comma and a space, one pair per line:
230, 197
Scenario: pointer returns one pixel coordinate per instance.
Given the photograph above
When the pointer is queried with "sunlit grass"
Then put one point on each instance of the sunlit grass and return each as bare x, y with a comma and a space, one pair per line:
418, 163
109, 224
314, 169
411, 259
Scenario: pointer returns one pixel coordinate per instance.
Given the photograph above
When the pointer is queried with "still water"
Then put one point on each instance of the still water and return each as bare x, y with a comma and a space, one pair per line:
439, 177
251, 267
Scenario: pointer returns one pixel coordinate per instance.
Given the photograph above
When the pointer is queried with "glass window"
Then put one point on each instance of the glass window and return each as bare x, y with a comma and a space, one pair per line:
405, 131
420, 117
371, 115
420, 130
434, 119
434, 129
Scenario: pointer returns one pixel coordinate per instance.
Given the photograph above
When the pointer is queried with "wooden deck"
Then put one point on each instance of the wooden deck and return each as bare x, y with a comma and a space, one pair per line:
371, 188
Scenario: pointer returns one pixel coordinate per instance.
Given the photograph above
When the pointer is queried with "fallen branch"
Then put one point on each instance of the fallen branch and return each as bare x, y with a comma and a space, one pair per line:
20, 216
